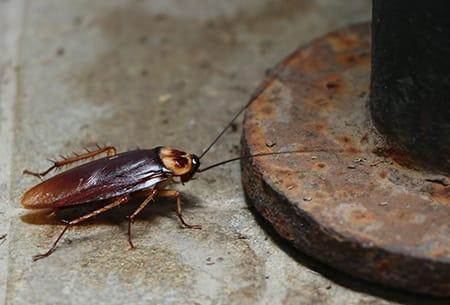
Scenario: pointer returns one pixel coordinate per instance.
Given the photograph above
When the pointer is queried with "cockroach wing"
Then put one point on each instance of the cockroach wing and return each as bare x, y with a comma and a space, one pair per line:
98, 180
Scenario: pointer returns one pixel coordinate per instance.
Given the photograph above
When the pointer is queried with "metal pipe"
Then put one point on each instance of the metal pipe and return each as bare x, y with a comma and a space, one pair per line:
410, 80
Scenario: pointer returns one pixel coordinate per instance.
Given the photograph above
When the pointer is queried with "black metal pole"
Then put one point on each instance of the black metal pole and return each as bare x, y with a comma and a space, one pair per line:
410, 81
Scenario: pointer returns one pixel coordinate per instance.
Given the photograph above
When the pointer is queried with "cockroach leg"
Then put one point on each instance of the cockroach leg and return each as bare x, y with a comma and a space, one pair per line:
177, 195
115, 203
135, 213
3, 238
110, 151
50, 251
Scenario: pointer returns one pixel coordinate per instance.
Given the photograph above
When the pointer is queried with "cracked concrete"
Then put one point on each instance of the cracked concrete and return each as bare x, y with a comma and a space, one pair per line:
148, 73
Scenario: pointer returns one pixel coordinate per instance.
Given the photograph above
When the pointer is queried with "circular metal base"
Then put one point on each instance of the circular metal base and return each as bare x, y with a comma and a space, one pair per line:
343, 200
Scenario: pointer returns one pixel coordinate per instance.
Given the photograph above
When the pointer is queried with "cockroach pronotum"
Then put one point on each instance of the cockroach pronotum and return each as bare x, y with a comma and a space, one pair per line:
112, 179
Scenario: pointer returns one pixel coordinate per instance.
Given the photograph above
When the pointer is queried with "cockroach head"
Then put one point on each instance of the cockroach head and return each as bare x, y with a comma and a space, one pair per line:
180, 163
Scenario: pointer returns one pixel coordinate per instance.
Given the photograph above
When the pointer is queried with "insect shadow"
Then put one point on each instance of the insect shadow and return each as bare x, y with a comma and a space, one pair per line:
164, 207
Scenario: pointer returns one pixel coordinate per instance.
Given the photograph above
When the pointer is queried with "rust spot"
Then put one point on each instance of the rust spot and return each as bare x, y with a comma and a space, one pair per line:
321, 165
350, 58
332, 85
347, 58
383, 174
348, 144
345, 139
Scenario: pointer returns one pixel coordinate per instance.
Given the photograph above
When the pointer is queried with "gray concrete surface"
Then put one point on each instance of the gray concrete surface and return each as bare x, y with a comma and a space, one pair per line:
148, 73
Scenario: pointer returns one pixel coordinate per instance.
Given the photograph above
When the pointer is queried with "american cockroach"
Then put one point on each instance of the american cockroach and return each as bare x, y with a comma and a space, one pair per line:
112, 179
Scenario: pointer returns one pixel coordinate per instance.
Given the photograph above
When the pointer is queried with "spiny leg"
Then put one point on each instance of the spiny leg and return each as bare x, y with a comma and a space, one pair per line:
117, 202
135, 213
177, 195
110, 151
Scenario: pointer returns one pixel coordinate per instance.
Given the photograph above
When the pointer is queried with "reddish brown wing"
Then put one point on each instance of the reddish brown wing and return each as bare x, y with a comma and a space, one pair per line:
98, 180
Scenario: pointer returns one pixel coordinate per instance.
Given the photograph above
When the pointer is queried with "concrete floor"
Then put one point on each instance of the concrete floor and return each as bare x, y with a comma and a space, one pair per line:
148, 73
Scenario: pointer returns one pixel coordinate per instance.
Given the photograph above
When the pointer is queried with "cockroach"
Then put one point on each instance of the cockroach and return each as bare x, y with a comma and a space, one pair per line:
115, 177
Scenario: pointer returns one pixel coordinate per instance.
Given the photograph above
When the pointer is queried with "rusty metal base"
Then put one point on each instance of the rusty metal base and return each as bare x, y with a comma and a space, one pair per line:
347, 202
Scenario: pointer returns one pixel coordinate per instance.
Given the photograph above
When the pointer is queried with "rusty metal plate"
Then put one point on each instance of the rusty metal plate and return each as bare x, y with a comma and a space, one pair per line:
346, 202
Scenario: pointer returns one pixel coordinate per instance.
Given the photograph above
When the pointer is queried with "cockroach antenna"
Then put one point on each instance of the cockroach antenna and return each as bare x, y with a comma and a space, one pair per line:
298, 151
253, 97
257, 92
271, 74
247, 157
226, 127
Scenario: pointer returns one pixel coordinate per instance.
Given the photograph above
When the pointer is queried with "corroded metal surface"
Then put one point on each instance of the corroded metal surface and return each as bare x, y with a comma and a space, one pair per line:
347, 202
